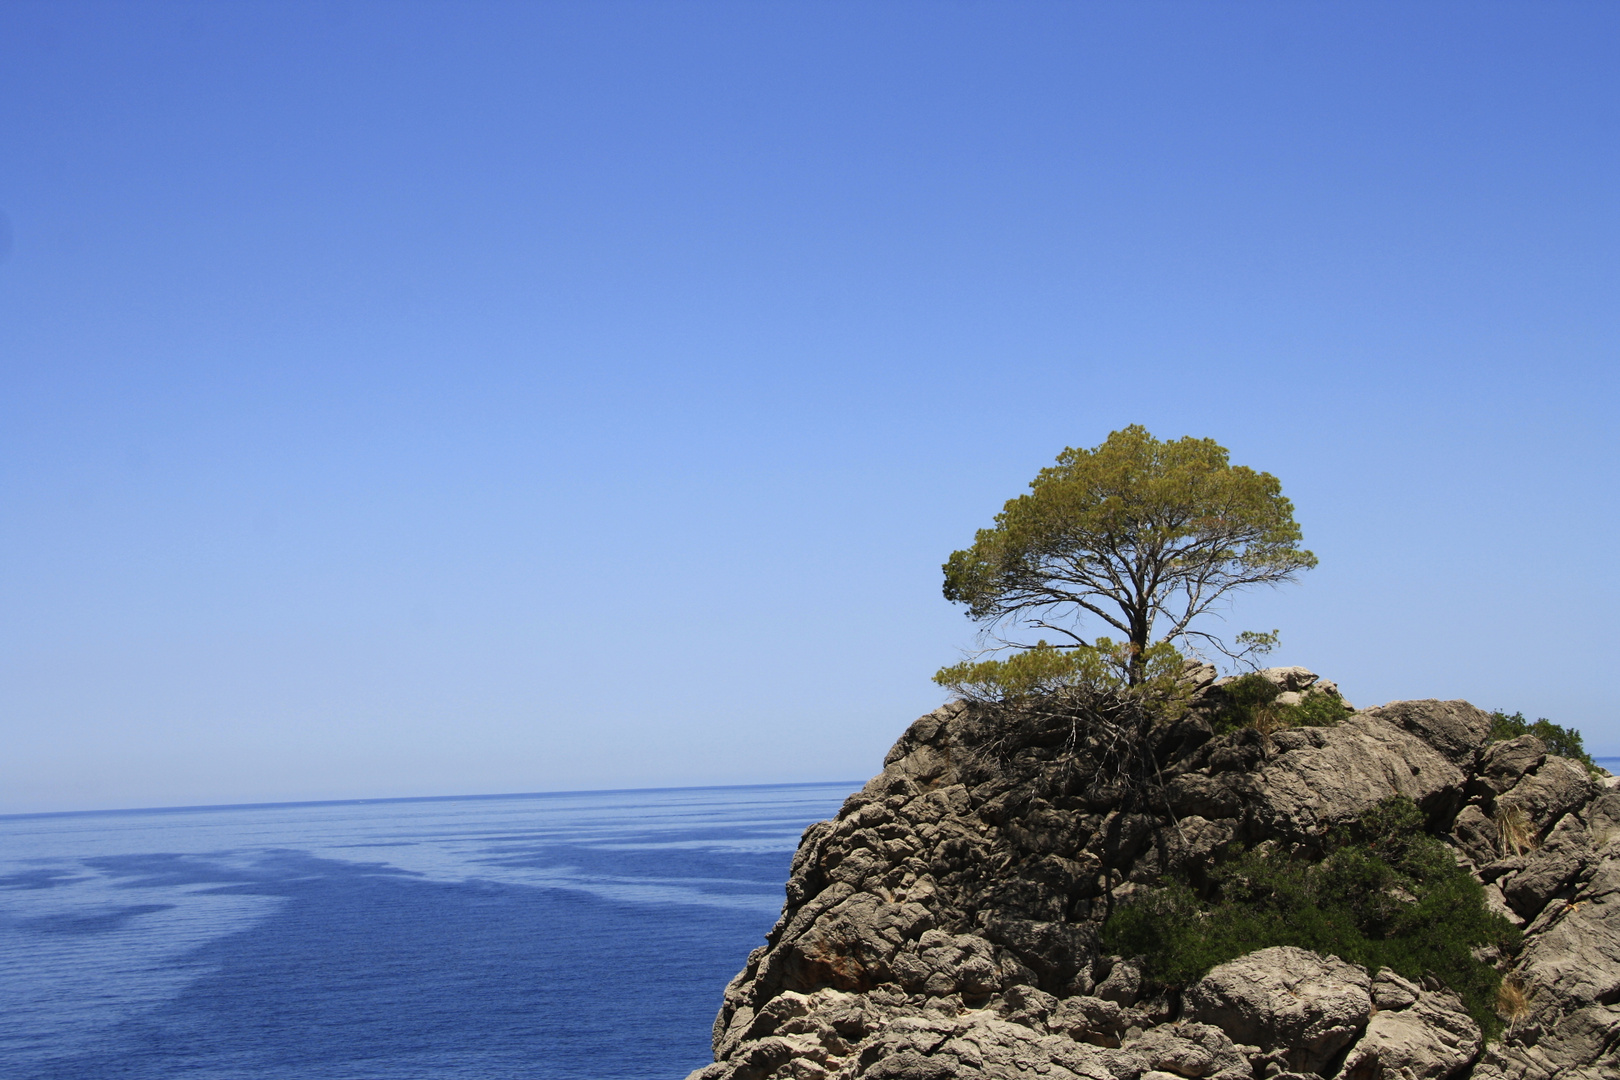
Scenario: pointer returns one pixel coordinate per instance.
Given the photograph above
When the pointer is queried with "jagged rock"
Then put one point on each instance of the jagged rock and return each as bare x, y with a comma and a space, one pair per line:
946, 923
1297, 739
1584, 1045
1430, 1038
939, 964
1204, 796
1475, 834
1357, 765
1507, 761
1554, 789
1196, 674
1602, 816
1497, 903
1195, 1051
1455, 728
1286, 998
1549, 870
1288, 679
1390, 991
1091, 1019
978, 1045
1571, 955
1123, 984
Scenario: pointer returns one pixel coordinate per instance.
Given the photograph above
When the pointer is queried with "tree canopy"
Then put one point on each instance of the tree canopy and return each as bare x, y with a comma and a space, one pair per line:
1142, 534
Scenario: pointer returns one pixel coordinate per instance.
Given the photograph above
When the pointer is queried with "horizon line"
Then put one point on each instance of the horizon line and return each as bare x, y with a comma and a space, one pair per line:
409, 799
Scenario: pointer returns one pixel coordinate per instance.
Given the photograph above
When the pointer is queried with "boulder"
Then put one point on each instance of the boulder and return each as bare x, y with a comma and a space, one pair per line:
1602, 817
1286, 998
983, 1047
1204, 796
1305, 791
1554, 789
1091, 1019
1505, 762
1585, 1045
1193, 1051
1548, 871
1455, 728
1390, 991
1431, 1038
1123, 984
939, 964
1196, 674
1571, 954
1475, 834
1290, 679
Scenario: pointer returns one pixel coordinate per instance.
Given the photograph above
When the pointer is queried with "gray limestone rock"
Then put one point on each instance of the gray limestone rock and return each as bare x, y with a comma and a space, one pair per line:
1390, 991
1204, 796
1430, 1038
1554, 789
1602, 816
1361, 762
1288, 998
1455, 728
1197, 674
1091, 1019
1194, 1051
1505, 762
1583, 1046
1123, 984
1475, 834
1290, 679
1571, 954
1548, 871
945, 924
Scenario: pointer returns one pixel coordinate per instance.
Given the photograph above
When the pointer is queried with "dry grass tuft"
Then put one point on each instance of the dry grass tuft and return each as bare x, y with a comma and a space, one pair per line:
1514, 834
1512, 1000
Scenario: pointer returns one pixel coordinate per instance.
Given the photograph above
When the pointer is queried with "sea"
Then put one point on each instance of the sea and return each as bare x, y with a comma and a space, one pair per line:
573, 936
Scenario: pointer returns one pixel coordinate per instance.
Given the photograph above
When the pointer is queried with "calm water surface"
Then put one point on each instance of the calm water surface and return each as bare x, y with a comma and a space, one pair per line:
551, 937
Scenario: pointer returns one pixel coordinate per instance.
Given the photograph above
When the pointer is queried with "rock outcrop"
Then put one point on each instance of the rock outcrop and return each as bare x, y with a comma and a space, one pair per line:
946, 923
1286, 999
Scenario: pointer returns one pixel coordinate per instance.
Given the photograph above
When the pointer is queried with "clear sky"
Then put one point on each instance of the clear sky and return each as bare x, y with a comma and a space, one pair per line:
420, 399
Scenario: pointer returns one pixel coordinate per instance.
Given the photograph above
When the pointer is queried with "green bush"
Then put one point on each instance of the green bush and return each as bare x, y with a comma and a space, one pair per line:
1043, 671
1250, 701
1242, 701
1563, 741
1385, 894
1316, 710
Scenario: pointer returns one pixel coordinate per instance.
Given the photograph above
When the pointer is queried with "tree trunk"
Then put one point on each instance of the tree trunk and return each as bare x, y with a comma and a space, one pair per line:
1137, 672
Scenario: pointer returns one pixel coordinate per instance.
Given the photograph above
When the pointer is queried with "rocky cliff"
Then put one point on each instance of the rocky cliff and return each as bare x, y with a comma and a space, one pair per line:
947, 922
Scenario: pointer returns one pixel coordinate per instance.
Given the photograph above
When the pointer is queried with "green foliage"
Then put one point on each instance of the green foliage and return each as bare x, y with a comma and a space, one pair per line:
1316, 710
1137, 533
1563, 741
1386, 894
1255, 643
1242, 701
1038, 672
1250, 701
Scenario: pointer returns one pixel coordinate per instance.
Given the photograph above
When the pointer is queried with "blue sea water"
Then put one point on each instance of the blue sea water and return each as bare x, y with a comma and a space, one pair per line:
580, 936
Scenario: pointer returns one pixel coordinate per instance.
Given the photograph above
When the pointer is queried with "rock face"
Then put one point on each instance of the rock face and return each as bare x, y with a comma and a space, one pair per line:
1416, 1035
1307, 1006
945, 923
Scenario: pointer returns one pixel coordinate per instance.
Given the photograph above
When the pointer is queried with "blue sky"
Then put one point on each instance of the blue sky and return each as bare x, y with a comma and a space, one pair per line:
415, 399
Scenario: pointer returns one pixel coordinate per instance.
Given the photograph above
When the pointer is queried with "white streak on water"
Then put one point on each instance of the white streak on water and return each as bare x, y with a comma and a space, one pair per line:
102, 915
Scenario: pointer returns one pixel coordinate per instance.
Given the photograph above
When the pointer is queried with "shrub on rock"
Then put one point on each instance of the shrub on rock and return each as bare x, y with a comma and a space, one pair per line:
1385, 895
